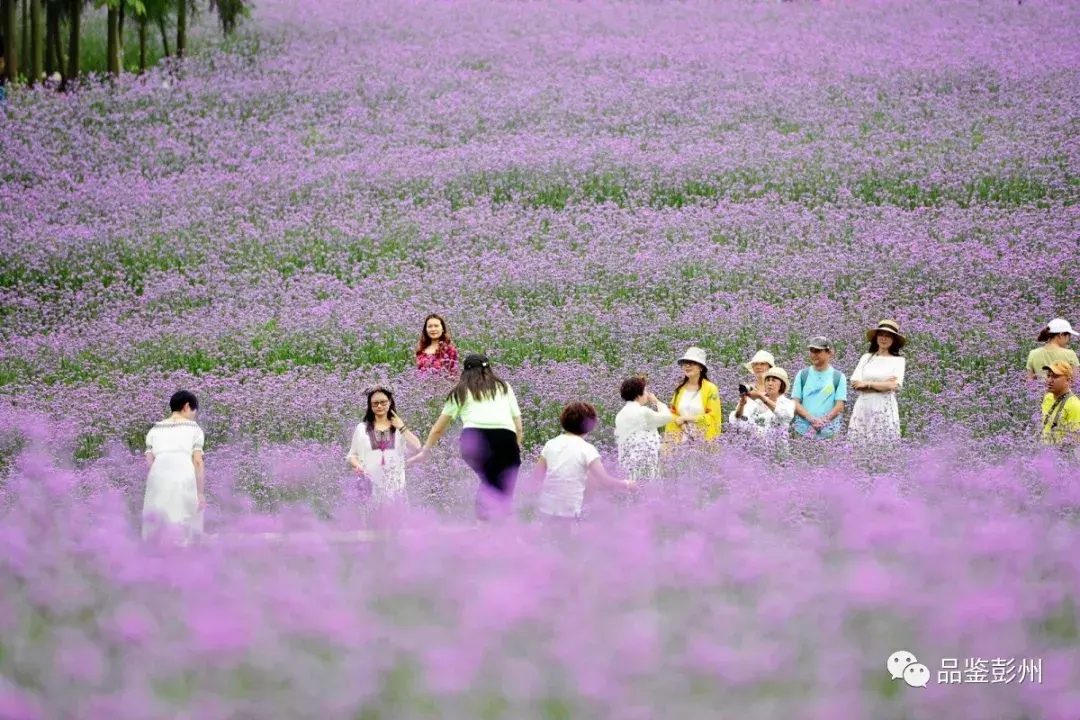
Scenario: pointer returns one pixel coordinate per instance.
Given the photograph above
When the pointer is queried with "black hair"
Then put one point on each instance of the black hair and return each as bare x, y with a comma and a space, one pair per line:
632, 388
478, 380
369, 414
702, 379
894, 349
181, 398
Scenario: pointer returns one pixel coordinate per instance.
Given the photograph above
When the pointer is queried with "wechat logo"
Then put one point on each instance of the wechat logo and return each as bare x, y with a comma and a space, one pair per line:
903, 665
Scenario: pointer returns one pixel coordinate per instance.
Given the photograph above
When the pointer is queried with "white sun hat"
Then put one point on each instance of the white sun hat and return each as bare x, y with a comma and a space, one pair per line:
761, 356
694, 354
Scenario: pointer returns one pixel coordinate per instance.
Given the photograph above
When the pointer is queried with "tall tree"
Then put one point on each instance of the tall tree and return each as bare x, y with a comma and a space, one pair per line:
54, 51
11, 44
113, 37
181, 27
35, 41
24, 44
74, 42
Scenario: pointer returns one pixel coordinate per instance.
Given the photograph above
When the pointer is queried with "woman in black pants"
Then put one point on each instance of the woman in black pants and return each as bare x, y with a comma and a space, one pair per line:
491, 434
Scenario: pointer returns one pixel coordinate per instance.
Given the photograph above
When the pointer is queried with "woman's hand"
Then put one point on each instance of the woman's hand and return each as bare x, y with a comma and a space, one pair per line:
418, 457
396, 421
755, 395
202, 501
359, 471
680, 421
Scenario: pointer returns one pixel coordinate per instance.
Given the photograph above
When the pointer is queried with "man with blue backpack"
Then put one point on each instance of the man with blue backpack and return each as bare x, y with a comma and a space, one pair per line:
819, 393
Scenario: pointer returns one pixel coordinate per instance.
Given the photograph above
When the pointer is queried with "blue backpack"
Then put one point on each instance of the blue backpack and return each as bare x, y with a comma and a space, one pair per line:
837, 376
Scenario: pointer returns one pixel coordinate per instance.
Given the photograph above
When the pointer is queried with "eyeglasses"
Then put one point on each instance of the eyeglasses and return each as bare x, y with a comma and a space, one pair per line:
380, 403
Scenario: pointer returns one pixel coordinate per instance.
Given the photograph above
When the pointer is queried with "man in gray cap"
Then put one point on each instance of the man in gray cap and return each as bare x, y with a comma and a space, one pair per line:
819, 393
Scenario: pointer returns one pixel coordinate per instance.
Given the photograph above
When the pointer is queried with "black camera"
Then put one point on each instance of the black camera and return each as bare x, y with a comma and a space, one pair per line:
744, 389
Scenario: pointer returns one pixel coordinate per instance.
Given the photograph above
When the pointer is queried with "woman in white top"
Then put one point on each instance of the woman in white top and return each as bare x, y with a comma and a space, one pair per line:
567, 464
758, 365
377, 451
636, 427
769, 413
175, 486
491, 435
878, 377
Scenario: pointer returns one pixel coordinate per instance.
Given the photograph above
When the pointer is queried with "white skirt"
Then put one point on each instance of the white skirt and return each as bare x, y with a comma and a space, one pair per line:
172, 496
875, 419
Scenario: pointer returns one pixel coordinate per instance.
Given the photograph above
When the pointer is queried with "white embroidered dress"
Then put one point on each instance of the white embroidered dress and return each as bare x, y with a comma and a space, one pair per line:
876, 416
383, 465
172, 496
636, 436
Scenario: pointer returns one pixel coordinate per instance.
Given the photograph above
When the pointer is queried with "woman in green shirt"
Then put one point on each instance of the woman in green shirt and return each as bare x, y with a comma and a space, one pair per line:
1057, 335
491, 433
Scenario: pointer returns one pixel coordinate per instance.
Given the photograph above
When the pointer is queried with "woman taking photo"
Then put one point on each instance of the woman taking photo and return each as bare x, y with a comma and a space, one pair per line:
878, 377
491, 435
696, 404
636, 427
377, 452
175, 486
767, 413
435, 351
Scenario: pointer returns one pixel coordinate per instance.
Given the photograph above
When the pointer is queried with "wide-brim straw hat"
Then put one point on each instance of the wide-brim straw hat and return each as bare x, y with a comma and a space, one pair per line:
890, 327
781, 375
694, 354
761, 356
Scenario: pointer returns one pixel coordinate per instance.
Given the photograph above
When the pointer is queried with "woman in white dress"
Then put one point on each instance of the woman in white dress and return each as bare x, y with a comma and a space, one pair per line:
175, 486
378, 446
636, 430
878, 377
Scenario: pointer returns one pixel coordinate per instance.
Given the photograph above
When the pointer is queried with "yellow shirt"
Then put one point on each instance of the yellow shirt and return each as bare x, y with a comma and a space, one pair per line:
1047, 354
709, 423
1067, 422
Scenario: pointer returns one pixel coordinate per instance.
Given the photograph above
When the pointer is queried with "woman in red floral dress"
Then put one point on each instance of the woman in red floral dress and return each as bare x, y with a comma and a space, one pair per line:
435, 351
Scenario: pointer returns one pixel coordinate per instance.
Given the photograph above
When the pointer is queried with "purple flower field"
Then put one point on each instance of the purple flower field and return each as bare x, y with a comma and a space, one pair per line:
583, 189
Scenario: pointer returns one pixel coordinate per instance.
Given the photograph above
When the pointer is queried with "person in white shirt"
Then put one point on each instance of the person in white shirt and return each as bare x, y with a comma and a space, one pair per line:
491, 435
878, 377
568, 463
769, 412
636, 430
175, 494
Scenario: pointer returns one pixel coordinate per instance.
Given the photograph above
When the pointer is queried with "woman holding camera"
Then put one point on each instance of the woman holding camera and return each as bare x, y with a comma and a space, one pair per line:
765, 412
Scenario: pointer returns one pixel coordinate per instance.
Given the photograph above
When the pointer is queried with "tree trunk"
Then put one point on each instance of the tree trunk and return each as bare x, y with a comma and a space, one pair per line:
113, 43
11, 45
181, 28
57, 39
24, 57
74, 44
164, 35
50, 65
35, 41
142, 45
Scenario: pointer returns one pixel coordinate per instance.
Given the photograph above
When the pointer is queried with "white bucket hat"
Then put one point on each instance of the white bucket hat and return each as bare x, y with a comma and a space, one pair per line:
695, 354
761, 356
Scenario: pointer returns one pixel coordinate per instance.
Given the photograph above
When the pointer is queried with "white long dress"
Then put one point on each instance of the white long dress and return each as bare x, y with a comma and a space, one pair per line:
876, 416
172, 496
384, 466
636, 436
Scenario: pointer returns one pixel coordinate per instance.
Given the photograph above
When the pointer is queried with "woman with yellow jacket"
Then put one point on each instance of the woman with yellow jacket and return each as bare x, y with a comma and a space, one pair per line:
696, 405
